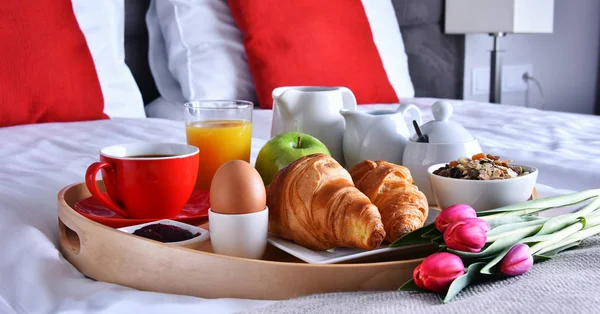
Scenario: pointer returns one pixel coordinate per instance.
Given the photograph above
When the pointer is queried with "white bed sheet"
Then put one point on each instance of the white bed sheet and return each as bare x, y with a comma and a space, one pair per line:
36, 161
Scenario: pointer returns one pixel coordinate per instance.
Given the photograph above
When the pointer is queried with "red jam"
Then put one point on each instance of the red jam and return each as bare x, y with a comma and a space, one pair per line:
165, 233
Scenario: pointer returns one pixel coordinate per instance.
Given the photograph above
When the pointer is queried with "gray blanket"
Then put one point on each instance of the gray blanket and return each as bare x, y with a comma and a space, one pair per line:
566, 284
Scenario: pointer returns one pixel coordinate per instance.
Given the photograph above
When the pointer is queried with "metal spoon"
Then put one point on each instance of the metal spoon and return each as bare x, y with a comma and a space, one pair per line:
422, 138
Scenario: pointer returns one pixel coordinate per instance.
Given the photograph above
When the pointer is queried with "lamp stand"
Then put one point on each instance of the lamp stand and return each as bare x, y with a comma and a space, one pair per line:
496, 70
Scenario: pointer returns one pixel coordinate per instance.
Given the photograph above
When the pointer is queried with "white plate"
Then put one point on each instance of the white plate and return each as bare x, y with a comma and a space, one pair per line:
338, 254
327, 257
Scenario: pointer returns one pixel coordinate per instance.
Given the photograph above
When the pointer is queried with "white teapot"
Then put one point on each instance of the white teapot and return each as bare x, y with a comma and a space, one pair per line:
447, 140
376, 134
315, 111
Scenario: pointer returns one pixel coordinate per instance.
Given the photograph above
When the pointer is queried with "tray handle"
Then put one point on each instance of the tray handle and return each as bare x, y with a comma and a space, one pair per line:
68, 238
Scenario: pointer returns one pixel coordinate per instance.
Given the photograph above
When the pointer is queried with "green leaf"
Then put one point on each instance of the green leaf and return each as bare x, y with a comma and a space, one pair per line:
432, 234
461, 282
507, 241
410, 286
439, 240
551, 254
415, 237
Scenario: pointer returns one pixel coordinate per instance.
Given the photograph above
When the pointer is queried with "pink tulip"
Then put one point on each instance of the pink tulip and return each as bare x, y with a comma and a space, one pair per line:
437, 271
467, 235
517, 261
453, 213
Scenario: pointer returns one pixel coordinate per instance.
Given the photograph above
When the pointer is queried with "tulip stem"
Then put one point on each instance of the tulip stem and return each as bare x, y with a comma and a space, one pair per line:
575, 237
503, 230
552, 238
560, 222
496, 221
529, 207
526, 228
548, 226
592, 221
567, 235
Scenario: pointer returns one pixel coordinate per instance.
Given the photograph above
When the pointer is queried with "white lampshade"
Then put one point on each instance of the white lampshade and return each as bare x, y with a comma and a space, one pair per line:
494, 16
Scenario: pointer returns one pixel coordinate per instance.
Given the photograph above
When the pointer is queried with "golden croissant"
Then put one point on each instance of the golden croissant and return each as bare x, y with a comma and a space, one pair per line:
314, 203
402, 206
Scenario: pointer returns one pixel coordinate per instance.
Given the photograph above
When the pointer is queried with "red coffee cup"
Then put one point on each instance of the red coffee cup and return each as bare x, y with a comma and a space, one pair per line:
145, 180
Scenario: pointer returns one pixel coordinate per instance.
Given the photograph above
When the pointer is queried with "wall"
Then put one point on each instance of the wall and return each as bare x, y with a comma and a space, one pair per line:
598, 88
565, 62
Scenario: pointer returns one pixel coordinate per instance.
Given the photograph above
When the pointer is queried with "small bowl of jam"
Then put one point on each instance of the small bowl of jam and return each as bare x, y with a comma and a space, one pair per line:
169, 232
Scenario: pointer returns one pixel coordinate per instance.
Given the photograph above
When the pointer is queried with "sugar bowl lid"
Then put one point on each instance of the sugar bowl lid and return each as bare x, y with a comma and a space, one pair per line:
441, 129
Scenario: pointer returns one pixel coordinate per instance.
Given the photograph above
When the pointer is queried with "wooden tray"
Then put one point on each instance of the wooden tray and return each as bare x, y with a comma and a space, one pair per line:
109, 255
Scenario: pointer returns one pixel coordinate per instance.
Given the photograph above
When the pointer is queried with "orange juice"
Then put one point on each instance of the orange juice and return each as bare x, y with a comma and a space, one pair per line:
219, 141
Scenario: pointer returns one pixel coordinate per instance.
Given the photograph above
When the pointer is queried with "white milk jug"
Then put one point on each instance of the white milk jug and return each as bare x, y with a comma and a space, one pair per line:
377, 134
315, 111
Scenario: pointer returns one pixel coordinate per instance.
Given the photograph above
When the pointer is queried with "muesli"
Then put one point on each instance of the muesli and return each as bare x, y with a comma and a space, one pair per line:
481, 167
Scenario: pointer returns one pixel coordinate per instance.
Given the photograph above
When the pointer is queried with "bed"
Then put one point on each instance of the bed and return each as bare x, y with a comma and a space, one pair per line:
38, 160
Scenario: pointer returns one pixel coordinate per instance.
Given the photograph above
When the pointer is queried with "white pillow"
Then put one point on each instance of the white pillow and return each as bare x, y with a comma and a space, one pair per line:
203, 49
103, 25
197, 52
166, 84
390, 45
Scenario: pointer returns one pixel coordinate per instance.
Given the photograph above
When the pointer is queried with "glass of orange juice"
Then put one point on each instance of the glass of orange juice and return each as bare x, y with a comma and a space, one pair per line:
222, 130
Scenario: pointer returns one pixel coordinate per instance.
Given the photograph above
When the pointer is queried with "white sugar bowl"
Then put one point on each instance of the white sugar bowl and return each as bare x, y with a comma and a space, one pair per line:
447, 140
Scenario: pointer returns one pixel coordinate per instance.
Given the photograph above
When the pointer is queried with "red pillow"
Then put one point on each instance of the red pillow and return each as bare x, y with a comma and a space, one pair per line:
47, 73
311, 42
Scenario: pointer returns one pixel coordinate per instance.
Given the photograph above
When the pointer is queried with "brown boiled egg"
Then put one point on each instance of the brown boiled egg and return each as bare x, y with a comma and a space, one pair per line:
237, 188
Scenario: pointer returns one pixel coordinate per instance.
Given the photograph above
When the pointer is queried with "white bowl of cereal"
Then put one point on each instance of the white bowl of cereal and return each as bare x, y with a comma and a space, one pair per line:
481, 181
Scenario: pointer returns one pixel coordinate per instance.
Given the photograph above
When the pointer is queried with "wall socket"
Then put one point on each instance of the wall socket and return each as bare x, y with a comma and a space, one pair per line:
512, 79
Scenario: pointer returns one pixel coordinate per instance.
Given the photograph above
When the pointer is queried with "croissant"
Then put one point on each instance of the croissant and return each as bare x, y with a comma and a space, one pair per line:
314, 203
402, 206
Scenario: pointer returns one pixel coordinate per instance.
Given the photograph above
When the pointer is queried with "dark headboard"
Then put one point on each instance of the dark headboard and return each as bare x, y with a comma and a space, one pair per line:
136, 47
435, 59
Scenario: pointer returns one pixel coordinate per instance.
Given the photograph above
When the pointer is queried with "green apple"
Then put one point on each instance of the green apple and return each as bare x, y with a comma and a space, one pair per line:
284, 149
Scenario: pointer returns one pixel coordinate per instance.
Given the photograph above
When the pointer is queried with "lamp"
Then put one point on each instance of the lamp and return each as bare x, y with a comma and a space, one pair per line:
497, 18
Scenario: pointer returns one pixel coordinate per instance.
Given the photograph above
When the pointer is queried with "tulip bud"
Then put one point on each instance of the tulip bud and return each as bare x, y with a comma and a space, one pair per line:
453, 213
437, 271
517, 261
467, 235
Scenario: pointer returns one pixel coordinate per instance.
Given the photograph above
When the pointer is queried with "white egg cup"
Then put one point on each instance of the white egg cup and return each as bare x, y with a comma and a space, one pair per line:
239, 235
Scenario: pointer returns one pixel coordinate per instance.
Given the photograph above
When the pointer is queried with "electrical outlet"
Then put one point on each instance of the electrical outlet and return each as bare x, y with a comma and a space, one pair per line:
512, 79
